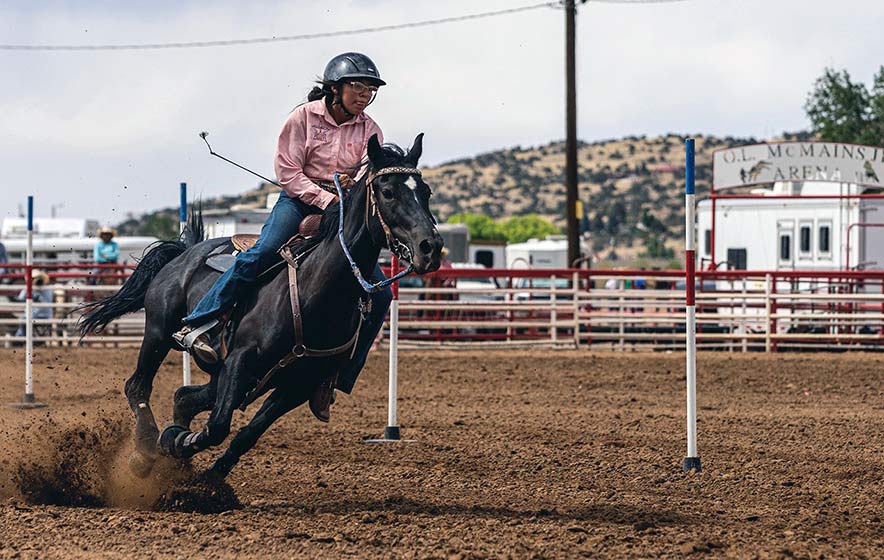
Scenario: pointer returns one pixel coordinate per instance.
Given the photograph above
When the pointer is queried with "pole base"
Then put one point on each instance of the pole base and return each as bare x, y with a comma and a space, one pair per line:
691, 464
391, 435
28, 401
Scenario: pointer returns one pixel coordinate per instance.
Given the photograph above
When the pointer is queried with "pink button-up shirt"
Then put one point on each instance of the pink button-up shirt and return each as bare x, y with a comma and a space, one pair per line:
312, 147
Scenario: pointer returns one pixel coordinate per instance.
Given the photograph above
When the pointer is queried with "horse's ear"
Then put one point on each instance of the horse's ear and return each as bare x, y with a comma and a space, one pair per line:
414, 153
375, 152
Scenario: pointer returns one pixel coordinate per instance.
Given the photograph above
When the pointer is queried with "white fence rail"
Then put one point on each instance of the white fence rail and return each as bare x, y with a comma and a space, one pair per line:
566, 309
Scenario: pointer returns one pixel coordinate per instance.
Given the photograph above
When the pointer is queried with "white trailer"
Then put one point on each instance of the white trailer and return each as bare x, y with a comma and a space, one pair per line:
771, 233
490, 254
551, 252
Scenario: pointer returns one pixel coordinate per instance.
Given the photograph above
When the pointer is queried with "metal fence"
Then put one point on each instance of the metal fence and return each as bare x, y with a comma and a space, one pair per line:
600, 309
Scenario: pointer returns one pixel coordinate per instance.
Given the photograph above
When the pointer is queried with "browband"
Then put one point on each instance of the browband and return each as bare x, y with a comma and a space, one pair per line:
393, 170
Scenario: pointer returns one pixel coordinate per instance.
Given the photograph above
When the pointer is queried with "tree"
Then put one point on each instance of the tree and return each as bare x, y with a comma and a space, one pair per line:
481, 227
519, 229
655, 248
160, 225
841, 110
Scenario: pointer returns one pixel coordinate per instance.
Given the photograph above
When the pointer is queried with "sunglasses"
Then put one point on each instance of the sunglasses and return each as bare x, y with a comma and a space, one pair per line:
359, 88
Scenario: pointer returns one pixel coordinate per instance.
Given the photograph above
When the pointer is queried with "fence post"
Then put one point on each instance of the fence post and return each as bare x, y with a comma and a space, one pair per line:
28, 400
743, 319
553, 314
622, 321
767, 319
575, 285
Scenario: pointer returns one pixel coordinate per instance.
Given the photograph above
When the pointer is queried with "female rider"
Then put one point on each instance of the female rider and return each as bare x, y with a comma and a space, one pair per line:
327, 134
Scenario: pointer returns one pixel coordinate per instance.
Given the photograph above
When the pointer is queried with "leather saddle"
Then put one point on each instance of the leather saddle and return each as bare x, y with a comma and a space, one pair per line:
223, 256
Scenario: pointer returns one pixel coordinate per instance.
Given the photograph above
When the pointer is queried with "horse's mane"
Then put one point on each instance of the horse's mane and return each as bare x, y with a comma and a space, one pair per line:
393, 155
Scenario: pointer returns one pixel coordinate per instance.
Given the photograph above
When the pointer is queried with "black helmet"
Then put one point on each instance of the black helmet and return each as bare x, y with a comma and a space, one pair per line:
354, 66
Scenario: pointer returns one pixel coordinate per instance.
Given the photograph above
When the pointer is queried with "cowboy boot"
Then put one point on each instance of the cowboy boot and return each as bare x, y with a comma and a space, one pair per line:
197, 341
322, 399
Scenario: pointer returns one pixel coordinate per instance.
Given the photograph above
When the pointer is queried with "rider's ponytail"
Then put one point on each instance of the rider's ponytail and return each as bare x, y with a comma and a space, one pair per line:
315, 93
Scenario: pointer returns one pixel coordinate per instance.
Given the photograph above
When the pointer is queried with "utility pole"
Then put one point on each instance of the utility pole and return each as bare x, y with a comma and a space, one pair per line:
573, 229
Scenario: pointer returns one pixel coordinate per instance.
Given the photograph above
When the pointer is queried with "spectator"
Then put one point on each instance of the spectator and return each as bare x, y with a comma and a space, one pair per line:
106, 251
4, 258
40, 294
448, 282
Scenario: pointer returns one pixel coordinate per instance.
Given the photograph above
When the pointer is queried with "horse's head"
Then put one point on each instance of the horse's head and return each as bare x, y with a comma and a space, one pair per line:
403, 203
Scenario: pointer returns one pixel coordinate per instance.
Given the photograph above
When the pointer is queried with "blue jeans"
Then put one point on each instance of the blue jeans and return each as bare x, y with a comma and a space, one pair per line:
280, 226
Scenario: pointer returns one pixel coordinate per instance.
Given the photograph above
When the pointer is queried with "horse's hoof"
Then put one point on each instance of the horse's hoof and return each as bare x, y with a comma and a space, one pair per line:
141, 464
167, 440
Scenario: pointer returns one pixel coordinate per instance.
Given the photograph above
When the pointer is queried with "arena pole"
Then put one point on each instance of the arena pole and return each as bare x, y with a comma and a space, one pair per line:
28, 400
692, 461
182, 223
391, 432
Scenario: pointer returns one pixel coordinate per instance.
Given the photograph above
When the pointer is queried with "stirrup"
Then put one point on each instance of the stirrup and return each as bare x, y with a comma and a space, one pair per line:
189, 339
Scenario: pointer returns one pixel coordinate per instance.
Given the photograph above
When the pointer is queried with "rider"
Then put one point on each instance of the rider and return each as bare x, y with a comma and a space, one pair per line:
327, 134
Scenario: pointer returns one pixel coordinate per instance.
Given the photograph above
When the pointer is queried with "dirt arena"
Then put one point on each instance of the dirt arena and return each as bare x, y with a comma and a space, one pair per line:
516, 455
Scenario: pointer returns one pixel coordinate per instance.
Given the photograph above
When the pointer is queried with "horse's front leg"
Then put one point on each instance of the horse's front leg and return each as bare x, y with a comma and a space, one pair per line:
190, 400
278, 403
233, 381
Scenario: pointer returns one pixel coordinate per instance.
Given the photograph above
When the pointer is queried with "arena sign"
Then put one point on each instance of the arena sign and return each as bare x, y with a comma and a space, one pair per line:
797, 161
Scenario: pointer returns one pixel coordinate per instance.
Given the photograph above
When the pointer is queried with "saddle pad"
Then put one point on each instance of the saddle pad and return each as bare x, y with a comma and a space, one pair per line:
220, 262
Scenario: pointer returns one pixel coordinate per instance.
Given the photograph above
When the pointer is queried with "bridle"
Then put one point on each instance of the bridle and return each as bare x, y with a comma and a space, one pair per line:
397, 247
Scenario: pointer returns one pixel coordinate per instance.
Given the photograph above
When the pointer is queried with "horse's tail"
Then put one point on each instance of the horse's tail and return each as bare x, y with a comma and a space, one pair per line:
130, 297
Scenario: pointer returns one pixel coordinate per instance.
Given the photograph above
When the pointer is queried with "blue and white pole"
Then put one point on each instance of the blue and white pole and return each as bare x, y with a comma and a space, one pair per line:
391, 432
182, 223
692, 461
28, 400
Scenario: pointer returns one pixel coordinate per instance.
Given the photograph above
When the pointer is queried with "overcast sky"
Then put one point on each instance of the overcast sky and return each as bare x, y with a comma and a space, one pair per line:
103, 134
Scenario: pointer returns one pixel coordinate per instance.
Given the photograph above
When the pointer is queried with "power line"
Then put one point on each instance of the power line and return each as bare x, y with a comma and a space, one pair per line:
283, 38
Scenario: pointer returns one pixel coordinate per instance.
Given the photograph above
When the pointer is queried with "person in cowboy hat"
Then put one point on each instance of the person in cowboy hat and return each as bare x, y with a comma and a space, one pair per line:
327, 134
106, 249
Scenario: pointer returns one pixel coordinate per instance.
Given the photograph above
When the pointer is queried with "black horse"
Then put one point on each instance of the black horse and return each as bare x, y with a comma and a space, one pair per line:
172, 277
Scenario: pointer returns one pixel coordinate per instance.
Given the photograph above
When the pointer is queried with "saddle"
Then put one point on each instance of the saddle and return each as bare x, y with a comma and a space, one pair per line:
222, 257
292, 252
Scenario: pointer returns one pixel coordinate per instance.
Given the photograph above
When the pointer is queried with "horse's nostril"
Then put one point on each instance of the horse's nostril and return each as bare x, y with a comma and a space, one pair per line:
426, 247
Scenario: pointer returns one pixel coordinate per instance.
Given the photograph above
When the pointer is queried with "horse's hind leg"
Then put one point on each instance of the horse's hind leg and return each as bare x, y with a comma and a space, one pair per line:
154, 349
278, 403
190, 400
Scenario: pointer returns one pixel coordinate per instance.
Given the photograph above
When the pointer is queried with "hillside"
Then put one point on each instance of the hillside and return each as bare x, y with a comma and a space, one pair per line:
632, 190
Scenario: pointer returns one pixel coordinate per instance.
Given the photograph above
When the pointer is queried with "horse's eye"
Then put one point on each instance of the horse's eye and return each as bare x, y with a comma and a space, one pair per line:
387, 193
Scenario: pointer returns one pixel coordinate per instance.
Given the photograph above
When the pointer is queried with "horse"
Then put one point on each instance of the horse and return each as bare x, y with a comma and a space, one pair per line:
387, 207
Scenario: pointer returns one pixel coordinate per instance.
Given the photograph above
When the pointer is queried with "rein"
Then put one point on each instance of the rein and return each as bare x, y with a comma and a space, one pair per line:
396, 247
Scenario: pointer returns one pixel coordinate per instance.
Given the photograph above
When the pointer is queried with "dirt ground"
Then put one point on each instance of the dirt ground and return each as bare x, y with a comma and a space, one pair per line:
517, 454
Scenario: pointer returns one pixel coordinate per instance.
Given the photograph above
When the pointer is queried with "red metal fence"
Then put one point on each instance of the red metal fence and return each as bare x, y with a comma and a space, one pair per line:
614, 309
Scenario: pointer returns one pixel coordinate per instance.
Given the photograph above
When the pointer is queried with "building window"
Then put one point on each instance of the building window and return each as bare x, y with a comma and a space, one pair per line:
707, 242
736, 259
805, 246
824, 243
785, 247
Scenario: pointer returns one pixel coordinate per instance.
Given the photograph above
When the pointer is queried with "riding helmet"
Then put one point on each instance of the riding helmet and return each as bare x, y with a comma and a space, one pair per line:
352, 65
